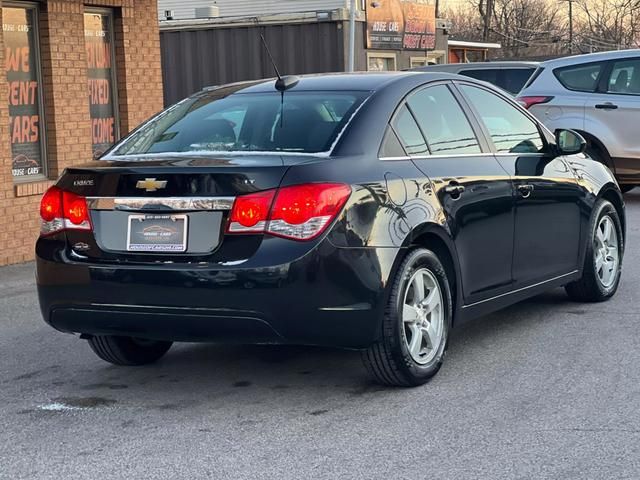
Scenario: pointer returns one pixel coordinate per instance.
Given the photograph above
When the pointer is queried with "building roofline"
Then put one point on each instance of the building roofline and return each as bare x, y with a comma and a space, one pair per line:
464, 43
335, 15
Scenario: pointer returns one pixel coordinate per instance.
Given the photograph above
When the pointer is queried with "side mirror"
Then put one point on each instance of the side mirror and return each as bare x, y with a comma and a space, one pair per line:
570, 142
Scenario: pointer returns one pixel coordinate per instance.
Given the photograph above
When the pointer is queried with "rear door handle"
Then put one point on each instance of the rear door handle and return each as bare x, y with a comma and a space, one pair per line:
454, 190
525, 190
606, 106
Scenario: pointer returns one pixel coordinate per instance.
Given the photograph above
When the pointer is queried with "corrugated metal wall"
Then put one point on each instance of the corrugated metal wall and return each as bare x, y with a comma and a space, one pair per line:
239, 8
193, 59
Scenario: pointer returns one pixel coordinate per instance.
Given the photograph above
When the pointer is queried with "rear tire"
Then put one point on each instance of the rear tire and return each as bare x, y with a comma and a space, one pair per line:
603, 260
128, 351
416, 324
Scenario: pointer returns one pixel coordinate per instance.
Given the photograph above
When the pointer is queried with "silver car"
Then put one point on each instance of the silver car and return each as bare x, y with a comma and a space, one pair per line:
597, 95
509, 76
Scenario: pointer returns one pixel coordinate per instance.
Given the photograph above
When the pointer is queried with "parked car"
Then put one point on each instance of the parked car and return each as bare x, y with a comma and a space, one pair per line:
510, 76
366, 211
598, 95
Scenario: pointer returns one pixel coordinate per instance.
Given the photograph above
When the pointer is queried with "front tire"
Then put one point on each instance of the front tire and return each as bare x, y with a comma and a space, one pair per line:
603, 259
416, 324
128, 351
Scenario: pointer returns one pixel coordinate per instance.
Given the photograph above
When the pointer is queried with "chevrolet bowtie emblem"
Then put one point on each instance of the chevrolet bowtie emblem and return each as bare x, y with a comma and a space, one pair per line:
151, 184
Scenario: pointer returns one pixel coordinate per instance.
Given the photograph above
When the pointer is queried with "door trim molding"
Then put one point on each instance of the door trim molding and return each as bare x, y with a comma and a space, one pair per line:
520, 289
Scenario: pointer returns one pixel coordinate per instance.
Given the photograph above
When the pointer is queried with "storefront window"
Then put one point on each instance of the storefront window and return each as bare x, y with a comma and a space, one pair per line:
381, 62
98, 33
25, 101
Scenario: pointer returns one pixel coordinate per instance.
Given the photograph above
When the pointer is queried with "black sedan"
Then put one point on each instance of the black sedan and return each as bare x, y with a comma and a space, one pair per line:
366, 211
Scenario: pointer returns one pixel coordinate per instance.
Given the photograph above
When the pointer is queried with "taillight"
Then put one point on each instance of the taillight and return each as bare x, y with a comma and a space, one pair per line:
299, 212
528, 102
61, 210
251, 212
302, 212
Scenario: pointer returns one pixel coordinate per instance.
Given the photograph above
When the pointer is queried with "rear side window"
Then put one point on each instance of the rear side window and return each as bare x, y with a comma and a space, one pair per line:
625, 77
306, 122
391, 146
510, 129
410, 135
443, 122
583, 78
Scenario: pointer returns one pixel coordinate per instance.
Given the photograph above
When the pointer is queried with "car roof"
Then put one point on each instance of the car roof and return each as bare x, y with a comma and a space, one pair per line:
591, 57
362, 81
455, 67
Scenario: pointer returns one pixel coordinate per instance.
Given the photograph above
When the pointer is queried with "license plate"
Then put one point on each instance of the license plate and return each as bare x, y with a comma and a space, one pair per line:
157, 233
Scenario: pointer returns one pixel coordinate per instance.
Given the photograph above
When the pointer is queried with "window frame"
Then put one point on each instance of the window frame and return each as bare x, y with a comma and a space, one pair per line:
114, 73
37, 55
546, 136
423, 60
486, 146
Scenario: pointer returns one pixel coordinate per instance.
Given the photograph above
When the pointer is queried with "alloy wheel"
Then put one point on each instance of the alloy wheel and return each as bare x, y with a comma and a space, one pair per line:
423, 316
606, 252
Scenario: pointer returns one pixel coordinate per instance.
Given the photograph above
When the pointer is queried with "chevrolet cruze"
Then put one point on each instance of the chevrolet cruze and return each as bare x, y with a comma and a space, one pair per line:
365, 211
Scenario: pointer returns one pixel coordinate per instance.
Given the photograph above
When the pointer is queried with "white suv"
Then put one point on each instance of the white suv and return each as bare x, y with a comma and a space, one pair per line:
597, 95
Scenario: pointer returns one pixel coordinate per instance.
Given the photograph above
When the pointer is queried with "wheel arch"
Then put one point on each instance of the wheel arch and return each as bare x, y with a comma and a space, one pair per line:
610, 193
435, 238
599, 145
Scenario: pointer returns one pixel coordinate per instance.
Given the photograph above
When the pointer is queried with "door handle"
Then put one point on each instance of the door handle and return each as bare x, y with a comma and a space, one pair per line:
455, 190
525, 190
606, 106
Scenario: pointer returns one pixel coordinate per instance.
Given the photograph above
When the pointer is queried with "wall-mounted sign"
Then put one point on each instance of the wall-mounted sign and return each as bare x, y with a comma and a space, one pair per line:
101, 72
25, 115
401, 25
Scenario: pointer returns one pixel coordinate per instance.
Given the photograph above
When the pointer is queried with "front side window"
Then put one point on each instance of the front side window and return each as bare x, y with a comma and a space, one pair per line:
625, 77
98, 36
25, 101
583, 78
443, 122
303, 122
510, 129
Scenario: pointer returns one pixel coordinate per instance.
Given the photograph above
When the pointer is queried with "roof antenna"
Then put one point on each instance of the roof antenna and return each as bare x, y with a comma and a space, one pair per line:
283, 83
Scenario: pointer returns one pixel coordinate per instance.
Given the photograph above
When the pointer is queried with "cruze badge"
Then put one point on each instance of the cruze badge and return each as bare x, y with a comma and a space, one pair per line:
151, 184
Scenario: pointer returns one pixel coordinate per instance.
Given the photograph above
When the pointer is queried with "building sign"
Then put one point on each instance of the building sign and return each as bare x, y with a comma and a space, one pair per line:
401, 25
25, 115
102, 101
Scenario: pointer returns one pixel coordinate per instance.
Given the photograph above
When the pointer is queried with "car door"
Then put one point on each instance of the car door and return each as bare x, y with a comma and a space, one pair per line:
616, 106
472, 187
547, 196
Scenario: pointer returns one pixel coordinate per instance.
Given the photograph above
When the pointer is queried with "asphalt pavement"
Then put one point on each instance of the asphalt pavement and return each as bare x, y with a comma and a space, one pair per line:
546, 389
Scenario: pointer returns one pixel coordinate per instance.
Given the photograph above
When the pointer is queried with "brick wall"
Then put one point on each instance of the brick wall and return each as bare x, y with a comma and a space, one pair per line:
66, 119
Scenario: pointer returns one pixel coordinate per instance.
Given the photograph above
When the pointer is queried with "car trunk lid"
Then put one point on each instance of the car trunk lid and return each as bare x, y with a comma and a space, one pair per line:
146, 209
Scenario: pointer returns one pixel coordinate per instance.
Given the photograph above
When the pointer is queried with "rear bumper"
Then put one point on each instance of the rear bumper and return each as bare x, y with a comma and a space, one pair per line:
329, 296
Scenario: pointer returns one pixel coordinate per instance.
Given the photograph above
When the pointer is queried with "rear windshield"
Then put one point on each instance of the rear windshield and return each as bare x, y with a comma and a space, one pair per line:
303, 122
510, 79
